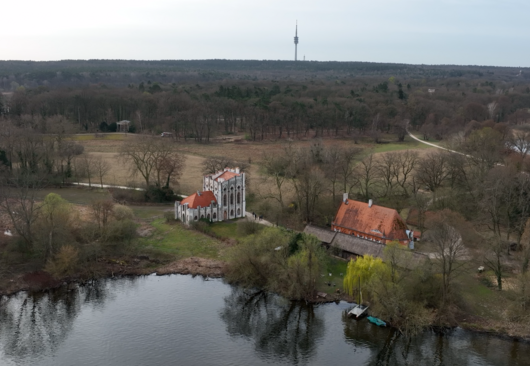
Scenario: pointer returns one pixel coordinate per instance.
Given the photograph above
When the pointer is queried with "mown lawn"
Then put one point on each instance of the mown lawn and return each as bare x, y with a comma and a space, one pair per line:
225, 229
88, 137
177, 240
481, 299
337, 268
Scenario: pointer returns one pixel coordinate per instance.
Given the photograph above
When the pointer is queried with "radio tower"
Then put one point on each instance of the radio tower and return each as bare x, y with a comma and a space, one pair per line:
296, 42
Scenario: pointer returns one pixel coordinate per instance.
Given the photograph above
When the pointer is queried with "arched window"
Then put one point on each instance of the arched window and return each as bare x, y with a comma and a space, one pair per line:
238, 197
208, 216
195, 218
238, 212
231, 213
202, 216
231, 198
224, 200
183, 217
214, 216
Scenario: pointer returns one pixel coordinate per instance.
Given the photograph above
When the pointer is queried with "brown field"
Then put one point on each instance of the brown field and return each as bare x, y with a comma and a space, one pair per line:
236, 149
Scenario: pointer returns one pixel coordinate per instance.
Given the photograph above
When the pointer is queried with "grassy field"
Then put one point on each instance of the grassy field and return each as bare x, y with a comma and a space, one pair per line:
240, 150
337, 268
181, 242
107, 136
225, 230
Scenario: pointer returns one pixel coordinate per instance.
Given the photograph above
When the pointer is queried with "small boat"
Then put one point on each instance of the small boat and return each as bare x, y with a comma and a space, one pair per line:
358, 309
376, 321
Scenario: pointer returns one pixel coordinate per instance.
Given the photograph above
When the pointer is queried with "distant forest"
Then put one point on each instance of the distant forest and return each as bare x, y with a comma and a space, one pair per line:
200, 99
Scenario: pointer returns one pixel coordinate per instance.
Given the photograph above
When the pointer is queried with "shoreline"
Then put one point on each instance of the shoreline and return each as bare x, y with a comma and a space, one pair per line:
196, 266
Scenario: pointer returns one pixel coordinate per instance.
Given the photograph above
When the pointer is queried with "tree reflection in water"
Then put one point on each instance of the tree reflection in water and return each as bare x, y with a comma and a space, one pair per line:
33, 325
279, 328
425, 349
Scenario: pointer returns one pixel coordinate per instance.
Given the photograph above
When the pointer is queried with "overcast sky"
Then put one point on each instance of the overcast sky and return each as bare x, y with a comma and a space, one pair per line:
477, 32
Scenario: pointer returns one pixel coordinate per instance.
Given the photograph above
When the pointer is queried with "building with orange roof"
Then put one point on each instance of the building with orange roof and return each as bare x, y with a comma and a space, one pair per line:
222, 198
371, 222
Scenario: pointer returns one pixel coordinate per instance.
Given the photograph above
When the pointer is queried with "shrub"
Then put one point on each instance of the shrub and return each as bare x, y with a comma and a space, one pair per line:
169, 216
246, 227
120, 231
127, 195
64, 263
121, 212
157, 194
202, 226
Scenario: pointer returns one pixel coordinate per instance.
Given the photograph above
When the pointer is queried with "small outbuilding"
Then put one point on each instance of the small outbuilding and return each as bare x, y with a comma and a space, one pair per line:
123, 126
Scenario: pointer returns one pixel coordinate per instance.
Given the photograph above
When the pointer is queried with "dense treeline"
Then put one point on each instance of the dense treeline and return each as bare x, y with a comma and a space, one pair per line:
370, 106
76, 73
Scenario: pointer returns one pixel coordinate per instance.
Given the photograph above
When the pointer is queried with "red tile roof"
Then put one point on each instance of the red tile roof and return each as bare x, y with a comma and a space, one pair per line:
204, 200
376, 220
227, 175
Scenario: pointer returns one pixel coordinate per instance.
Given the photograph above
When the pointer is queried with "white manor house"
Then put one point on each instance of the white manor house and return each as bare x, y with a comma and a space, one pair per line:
222, 198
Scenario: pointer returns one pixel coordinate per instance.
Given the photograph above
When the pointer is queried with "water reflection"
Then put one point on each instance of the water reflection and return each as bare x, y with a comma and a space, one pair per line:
279, 329
33, 325
36, 325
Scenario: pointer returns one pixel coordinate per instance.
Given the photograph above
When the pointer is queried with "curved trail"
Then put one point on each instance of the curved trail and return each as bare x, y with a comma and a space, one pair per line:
436, 146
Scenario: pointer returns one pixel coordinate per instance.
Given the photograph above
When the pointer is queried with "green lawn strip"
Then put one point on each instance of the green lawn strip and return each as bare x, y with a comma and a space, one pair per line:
225, 229
150, 212
75, 195
181, 242
89, 137
396, 146
480, 298
335, 266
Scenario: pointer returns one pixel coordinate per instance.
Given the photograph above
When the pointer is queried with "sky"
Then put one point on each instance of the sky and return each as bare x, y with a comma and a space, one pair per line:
462, 32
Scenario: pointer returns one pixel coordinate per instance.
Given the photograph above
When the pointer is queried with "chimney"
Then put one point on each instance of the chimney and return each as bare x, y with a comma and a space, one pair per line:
370, 203
345, 197
237, 170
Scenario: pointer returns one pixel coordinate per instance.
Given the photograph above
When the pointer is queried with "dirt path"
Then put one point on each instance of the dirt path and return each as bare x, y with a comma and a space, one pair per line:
436, 146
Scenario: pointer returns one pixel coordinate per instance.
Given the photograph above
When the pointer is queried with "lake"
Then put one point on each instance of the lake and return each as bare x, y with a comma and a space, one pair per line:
184, 320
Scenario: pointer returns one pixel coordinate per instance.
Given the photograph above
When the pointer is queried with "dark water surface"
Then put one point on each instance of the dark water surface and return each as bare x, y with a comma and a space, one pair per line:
181, 320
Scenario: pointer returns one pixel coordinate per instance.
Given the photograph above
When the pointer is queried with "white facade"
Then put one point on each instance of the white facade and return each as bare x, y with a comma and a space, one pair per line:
227, 188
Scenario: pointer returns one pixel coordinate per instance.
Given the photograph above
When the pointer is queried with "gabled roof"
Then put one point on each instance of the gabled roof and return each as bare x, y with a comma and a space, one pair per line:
378, 221
204, 199
361, 247
324, 235
227, 175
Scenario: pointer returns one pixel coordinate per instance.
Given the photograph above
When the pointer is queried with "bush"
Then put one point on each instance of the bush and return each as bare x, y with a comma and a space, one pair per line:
64, 263
203, 226
120, 231
169, 216
157, 194
127, 195
121, 212
246, 227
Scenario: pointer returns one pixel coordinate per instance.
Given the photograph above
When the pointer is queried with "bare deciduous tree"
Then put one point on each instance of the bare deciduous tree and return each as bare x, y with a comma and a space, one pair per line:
450, 252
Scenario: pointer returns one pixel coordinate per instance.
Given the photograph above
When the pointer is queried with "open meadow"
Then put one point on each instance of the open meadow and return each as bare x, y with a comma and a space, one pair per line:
108, 146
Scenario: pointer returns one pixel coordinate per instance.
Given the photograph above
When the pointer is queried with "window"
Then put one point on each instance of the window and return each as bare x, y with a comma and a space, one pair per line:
214, 216
231, 198
224, 200
238, 197
202, 216
231, 213
238, 212
195, 218
208, 216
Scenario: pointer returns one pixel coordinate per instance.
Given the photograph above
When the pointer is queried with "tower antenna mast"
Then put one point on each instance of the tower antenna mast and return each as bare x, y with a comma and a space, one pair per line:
296, 42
